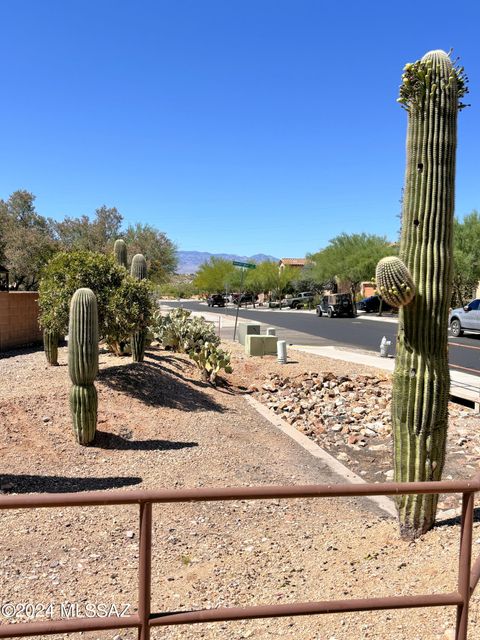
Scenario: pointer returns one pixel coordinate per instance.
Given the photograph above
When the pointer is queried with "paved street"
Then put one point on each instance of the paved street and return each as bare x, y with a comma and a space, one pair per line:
364, 332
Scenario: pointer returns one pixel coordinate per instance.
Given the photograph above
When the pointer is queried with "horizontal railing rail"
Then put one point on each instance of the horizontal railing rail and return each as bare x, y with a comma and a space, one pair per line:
144, 620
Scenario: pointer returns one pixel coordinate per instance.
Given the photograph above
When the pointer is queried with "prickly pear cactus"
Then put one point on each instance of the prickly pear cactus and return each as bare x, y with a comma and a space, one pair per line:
83, 363
138, 341
50, 345
120, 252
210, 359
394, 282
430, 92
138, 270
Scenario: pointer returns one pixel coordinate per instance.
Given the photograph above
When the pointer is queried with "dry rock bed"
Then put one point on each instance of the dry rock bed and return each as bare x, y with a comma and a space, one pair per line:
159, 426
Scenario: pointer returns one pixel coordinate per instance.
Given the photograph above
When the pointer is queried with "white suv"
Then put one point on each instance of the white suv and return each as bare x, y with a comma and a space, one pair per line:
465, 318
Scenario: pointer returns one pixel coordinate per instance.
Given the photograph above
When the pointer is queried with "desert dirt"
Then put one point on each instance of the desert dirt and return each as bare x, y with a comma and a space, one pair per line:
160, 427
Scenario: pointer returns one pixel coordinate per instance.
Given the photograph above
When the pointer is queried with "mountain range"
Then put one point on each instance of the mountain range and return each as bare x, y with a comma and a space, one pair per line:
190, 261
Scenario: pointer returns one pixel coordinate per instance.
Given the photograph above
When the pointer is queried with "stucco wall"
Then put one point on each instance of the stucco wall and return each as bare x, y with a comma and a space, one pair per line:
18, 319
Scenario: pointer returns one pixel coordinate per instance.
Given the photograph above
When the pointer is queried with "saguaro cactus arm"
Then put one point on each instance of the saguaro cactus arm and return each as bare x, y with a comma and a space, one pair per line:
394, 282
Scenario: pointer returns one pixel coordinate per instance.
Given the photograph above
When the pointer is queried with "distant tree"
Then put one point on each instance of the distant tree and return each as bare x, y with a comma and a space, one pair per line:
350, 258
83, 234
268, 278
305, 281
215, 276
466, 258
159, 251
26, 240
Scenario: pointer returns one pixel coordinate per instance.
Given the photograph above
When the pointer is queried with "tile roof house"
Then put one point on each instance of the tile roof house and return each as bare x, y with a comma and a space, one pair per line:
293, 262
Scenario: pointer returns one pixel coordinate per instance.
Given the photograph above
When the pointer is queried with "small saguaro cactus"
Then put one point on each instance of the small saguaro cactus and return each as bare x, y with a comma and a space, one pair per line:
430, 92
138, 270
120, 252
394, 282
50, 346
83, 363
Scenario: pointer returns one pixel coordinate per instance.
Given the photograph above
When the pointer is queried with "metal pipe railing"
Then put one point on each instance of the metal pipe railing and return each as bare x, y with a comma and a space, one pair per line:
468, 576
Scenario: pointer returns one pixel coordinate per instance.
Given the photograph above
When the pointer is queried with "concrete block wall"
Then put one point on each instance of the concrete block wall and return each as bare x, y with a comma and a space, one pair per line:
19, 319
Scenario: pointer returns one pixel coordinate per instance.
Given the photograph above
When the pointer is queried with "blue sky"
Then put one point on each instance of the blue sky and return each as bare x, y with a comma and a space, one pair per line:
239, 126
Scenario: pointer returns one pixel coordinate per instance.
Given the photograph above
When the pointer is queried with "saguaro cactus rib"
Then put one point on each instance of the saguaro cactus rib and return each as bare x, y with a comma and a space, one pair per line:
430, 93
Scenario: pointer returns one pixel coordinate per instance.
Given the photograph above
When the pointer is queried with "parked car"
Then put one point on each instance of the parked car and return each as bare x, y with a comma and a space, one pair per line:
465, 318
336, 304
216, 300
372, 304
299, 300
244, 298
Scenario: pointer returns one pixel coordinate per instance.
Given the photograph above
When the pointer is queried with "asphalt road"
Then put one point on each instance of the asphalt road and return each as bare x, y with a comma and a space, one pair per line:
298, 327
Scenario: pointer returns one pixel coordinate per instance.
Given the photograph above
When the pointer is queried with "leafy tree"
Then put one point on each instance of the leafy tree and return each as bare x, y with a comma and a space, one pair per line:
216, 275
83, 234
350, 259
26, 240
268, 278
466, 258
263, 278
159, 251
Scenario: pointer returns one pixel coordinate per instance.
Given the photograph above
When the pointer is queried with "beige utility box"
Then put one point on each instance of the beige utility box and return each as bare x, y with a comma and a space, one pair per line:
245, 329
260, 345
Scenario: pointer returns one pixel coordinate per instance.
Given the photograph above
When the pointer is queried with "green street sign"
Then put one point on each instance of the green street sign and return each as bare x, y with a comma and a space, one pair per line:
245, 265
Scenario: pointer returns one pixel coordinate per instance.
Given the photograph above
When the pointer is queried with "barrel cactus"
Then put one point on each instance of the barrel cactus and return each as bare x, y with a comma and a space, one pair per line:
138, 270
120, 252
394, 282
431, 91
138, 342
83, 363
50, 345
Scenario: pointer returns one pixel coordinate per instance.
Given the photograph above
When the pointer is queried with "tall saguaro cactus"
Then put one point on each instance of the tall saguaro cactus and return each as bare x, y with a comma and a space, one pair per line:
138, 271
120, 252
431, 91
83, 363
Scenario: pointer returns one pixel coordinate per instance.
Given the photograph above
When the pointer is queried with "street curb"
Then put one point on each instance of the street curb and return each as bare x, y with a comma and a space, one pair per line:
386, 504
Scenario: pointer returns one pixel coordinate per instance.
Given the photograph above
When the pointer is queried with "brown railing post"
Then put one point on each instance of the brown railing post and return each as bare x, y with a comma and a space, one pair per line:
464, 565
145, 570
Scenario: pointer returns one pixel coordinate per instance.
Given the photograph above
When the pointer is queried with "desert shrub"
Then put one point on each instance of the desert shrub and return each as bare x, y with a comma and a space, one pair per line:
67, 272
124, 304
129, 310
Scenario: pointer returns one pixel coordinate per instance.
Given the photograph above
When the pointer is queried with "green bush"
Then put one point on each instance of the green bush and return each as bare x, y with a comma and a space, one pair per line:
124, 304
67, 272
129, 310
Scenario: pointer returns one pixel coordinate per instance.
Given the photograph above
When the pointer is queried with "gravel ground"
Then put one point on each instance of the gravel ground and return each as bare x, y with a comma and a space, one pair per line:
159, 426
